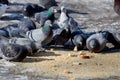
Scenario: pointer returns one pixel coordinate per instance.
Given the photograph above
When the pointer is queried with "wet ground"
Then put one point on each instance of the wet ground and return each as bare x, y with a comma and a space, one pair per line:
93, 15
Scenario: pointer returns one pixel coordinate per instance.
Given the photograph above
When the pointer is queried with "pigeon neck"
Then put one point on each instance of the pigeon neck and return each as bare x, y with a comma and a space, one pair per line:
49, 12
46, 29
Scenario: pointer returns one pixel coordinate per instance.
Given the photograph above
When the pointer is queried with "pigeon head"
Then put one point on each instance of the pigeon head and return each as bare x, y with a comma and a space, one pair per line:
28, 10
78, 40
3, 6
63, 9
93, 45
48, 23
53, 9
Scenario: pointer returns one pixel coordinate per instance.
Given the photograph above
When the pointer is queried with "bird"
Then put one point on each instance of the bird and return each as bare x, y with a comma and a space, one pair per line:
4, 2
78, 39
47, 3
30, 9
43, 34
114, 38
31, 46
11, 30
117, 6
14, 52
96, 42
63, 19
60, 36
45, 15
3, 8
73, 25
26, 24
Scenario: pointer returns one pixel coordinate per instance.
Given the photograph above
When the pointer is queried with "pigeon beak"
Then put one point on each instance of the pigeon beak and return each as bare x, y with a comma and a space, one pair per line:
50, 25
80, 43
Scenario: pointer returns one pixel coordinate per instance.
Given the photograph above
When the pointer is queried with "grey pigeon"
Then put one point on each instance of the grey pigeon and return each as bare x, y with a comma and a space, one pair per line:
30, 9
31, 46
11, 31
26, 24
45, 15
48, 3
14, 52
96, 42
63, 19
43, 35
3, 9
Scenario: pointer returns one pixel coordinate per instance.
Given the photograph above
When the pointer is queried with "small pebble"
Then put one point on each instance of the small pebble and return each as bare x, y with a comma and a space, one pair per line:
67, 72
72, 55
77, 63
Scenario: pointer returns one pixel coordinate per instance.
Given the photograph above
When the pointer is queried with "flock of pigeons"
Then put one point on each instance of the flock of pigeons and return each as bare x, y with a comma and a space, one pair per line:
23, 39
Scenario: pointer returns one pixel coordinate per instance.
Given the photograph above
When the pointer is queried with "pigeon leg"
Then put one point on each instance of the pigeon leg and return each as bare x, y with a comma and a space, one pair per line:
40, 50
75, 48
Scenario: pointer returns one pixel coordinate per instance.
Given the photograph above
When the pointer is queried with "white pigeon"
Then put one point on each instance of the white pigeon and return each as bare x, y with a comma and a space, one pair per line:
63, 19
3, 9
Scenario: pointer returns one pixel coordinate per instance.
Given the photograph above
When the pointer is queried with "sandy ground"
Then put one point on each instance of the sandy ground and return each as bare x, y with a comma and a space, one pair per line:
63, 64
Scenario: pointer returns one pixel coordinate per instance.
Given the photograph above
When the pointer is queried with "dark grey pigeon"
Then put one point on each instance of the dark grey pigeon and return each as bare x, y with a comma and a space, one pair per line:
48, 3
31, 46
45, 15
114, 38
73, 25
60, 36
79, 39
26, 24
96, 42
43, 34
11, 52
3, 41
30, 9
14, 52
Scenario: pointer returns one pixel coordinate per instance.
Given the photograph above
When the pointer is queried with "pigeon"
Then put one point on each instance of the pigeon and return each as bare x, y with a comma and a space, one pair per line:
11, 52
48, 3
43, 34
45, 15
63, 19
4, 2
3, 9
114, 38
117, 6
11, 30
97, 42
31, 46
4, 32
79, 39
26, 24
14, 52
73, 25
30, 9
60, 36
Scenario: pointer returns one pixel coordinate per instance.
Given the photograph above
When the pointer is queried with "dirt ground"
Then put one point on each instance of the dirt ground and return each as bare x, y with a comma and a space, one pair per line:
63, 64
